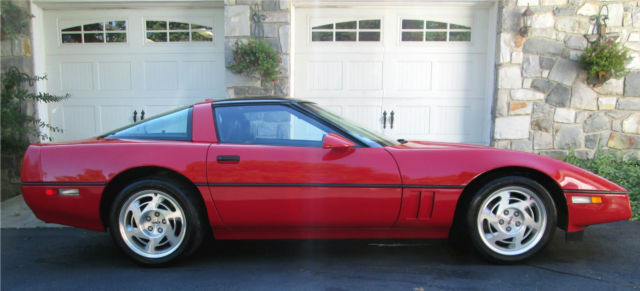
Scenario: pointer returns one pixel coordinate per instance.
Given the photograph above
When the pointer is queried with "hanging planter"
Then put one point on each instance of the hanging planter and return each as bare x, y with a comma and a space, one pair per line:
256, 58
603, 60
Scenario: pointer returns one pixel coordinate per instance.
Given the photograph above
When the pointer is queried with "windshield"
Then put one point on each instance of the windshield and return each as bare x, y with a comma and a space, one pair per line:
370, 138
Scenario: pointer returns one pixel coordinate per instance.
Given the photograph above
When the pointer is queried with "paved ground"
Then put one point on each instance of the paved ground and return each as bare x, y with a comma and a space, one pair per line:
68, 258
16, 214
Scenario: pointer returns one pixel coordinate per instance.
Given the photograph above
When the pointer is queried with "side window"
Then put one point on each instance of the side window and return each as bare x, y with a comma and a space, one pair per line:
175, 125
268, 125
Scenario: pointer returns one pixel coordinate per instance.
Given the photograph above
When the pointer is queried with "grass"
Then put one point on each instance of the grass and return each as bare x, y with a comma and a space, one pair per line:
625, 173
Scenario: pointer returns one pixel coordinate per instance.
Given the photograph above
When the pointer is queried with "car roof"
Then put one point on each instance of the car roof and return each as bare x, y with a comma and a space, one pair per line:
259, 99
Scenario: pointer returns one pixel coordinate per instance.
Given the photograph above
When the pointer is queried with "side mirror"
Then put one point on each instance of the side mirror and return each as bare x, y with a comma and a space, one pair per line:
334, 141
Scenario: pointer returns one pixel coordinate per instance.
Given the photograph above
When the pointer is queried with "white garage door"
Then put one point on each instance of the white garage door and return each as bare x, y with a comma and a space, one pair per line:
119, 63
413, 73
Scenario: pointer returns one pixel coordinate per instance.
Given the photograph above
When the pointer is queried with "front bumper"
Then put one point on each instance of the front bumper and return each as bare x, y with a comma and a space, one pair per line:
613, 207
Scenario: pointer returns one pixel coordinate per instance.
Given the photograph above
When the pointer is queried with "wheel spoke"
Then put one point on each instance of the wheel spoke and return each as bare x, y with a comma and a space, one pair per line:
530, 223
135, 232
150, 248
171, 236
524, 205
489, 216
134, 208
518, 238
495, 237
171, 214
504, 201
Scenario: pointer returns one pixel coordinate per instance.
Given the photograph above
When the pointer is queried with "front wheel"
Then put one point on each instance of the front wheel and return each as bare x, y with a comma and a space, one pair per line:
155, 221
510, 219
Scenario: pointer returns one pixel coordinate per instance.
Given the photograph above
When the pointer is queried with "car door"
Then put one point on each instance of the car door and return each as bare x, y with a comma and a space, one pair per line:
269, 170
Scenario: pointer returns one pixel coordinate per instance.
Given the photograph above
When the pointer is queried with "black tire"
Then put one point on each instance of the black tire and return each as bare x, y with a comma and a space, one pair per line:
156, 221
510, 219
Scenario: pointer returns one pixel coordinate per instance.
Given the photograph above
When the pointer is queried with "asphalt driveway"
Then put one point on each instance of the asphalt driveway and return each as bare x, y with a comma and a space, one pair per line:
67, 258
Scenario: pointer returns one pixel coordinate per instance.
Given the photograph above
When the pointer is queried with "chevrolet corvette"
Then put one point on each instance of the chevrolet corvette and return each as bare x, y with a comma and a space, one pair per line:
270, 168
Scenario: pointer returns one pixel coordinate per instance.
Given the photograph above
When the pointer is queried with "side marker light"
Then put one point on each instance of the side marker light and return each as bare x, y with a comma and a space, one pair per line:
586, 200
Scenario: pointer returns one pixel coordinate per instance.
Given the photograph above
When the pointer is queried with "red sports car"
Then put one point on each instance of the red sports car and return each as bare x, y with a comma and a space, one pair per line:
271, 168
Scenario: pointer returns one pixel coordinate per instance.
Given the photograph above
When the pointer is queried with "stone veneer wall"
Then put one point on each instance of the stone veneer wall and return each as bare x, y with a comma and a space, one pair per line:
542, 102
237, 27
15, 53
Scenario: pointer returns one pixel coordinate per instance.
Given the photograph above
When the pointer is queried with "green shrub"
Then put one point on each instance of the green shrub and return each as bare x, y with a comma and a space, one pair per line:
624, 173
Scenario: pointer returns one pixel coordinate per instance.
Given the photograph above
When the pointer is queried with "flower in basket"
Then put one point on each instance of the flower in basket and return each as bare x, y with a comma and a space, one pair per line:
603, 60
256, 57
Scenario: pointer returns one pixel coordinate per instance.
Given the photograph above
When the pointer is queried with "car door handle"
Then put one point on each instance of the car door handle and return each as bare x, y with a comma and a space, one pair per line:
228, 159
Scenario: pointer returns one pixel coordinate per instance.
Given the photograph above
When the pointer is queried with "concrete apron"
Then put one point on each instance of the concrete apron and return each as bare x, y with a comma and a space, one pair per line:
16, 214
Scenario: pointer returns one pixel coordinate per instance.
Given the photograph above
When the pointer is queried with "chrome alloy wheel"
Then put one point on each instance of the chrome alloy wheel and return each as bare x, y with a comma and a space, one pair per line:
152, 223
512, 220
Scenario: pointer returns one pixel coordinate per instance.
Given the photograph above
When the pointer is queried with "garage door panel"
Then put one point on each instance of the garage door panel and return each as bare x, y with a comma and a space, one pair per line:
413, 76
458, 123
161, 75
366, 112
115, 116
324, 76
454, 76
199, 75
363, 75
411, 121
78, 120
364, 115
114, 75
75, 76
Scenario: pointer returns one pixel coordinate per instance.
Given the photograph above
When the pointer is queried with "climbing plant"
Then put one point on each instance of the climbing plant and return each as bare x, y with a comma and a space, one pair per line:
15, 21
18, 127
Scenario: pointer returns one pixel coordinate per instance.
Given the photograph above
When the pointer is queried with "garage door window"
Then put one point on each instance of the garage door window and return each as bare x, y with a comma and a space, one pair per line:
426, 30
355, 30
173, 31
114, 31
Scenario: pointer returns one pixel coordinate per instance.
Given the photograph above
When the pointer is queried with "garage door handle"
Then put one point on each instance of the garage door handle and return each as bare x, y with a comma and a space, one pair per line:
228, 159
384, 119
135, 116
391, 119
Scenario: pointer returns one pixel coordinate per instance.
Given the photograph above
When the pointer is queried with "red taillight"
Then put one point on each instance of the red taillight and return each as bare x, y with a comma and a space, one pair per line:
50, 192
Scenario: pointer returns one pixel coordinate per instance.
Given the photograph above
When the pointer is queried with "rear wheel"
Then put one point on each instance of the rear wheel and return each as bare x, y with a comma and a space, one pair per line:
156, 221
510, 219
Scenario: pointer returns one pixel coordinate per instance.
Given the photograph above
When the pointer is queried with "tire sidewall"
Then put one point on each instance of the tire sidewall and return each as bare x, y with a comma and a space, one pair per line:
485, 192
173, 189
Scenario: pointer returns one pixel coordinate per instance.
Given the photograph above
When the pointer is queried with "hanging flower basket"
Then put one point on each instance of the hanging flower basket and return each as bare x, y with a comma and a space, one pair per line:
603, 60
256, 58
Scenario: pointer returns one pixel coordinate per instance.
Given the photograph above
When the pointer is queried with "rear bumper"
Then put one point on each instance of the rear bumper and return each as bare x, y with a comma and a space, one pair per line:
614, 207
79, 211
